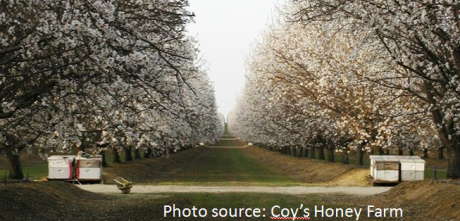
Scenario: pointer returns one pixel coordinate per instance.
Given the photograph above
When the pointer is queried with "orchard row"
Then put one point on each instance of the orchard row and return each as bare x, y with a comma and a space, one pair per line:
119, 74
363, 76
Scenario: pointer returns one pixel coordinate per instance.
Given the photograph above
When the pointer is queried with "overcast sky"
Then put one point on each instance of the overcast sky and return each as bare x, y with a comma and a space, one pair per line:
226, 29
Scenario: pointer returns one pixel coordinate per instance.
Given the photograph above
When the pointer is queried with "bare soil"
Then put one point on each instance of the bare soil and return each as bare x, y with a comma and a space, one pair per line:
425, 200
432, 200
64, 201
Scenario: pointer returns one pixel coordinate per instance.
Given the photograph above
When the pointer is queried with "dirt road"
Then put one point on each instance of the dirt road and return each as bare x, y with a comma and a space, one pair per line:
297, 190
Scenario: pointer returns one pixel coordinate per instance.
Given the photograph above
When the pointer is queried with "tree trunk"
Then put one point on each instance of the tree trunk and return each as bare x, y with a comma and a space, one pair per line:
288, 150
15, 169
304, 152
104, 158
321, 153
128, 154
380, 150
148, 153
298, 152
345, 157
447, 135
168, 151
400, 151
411, 152
81, 147
116, 156
425, 153
292, 150
453, 161
441, 153
312, 153
330, 156
137, 154
360, 155
387, 151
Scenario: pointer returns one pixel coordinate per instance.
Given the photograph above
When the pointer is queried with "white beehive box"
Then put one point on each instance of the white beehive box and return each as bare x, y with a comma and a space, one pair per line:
380, 159
412, 175
386, 176
396, 168
412, 164
90, 168
412, 168
59, 166
385, 171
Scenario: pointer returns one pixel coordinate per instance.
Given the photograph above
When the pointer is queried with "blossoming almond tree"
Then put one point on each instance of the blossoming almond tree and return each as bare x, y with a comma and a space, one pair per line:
334, 68
72, 68
422, 39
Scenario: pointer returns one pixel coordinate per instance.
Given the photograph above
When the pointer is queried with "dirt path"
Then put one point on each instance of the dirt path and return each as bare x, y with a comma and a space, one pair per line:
297, 190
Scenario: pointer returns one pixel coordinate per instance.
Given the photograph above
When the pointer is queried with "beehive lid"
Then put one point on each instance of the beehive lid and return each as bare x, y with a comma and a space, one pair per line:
378, 157
90, 159
396, 158
412, 160
60, 157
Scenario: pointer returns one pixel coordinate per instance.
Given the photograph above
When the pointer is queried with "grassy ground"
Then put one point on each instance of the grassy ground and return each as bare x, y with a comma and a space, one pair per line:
433, 173
33, 172
230, 143
230, 167
32, 166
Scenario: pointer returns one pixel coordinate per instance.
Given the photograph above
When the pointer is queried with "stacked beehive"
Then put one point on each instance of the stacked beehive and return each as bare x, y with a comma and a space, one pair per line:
393, 169
60, 167
90, 168
69, 167
412, 168
384, 169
